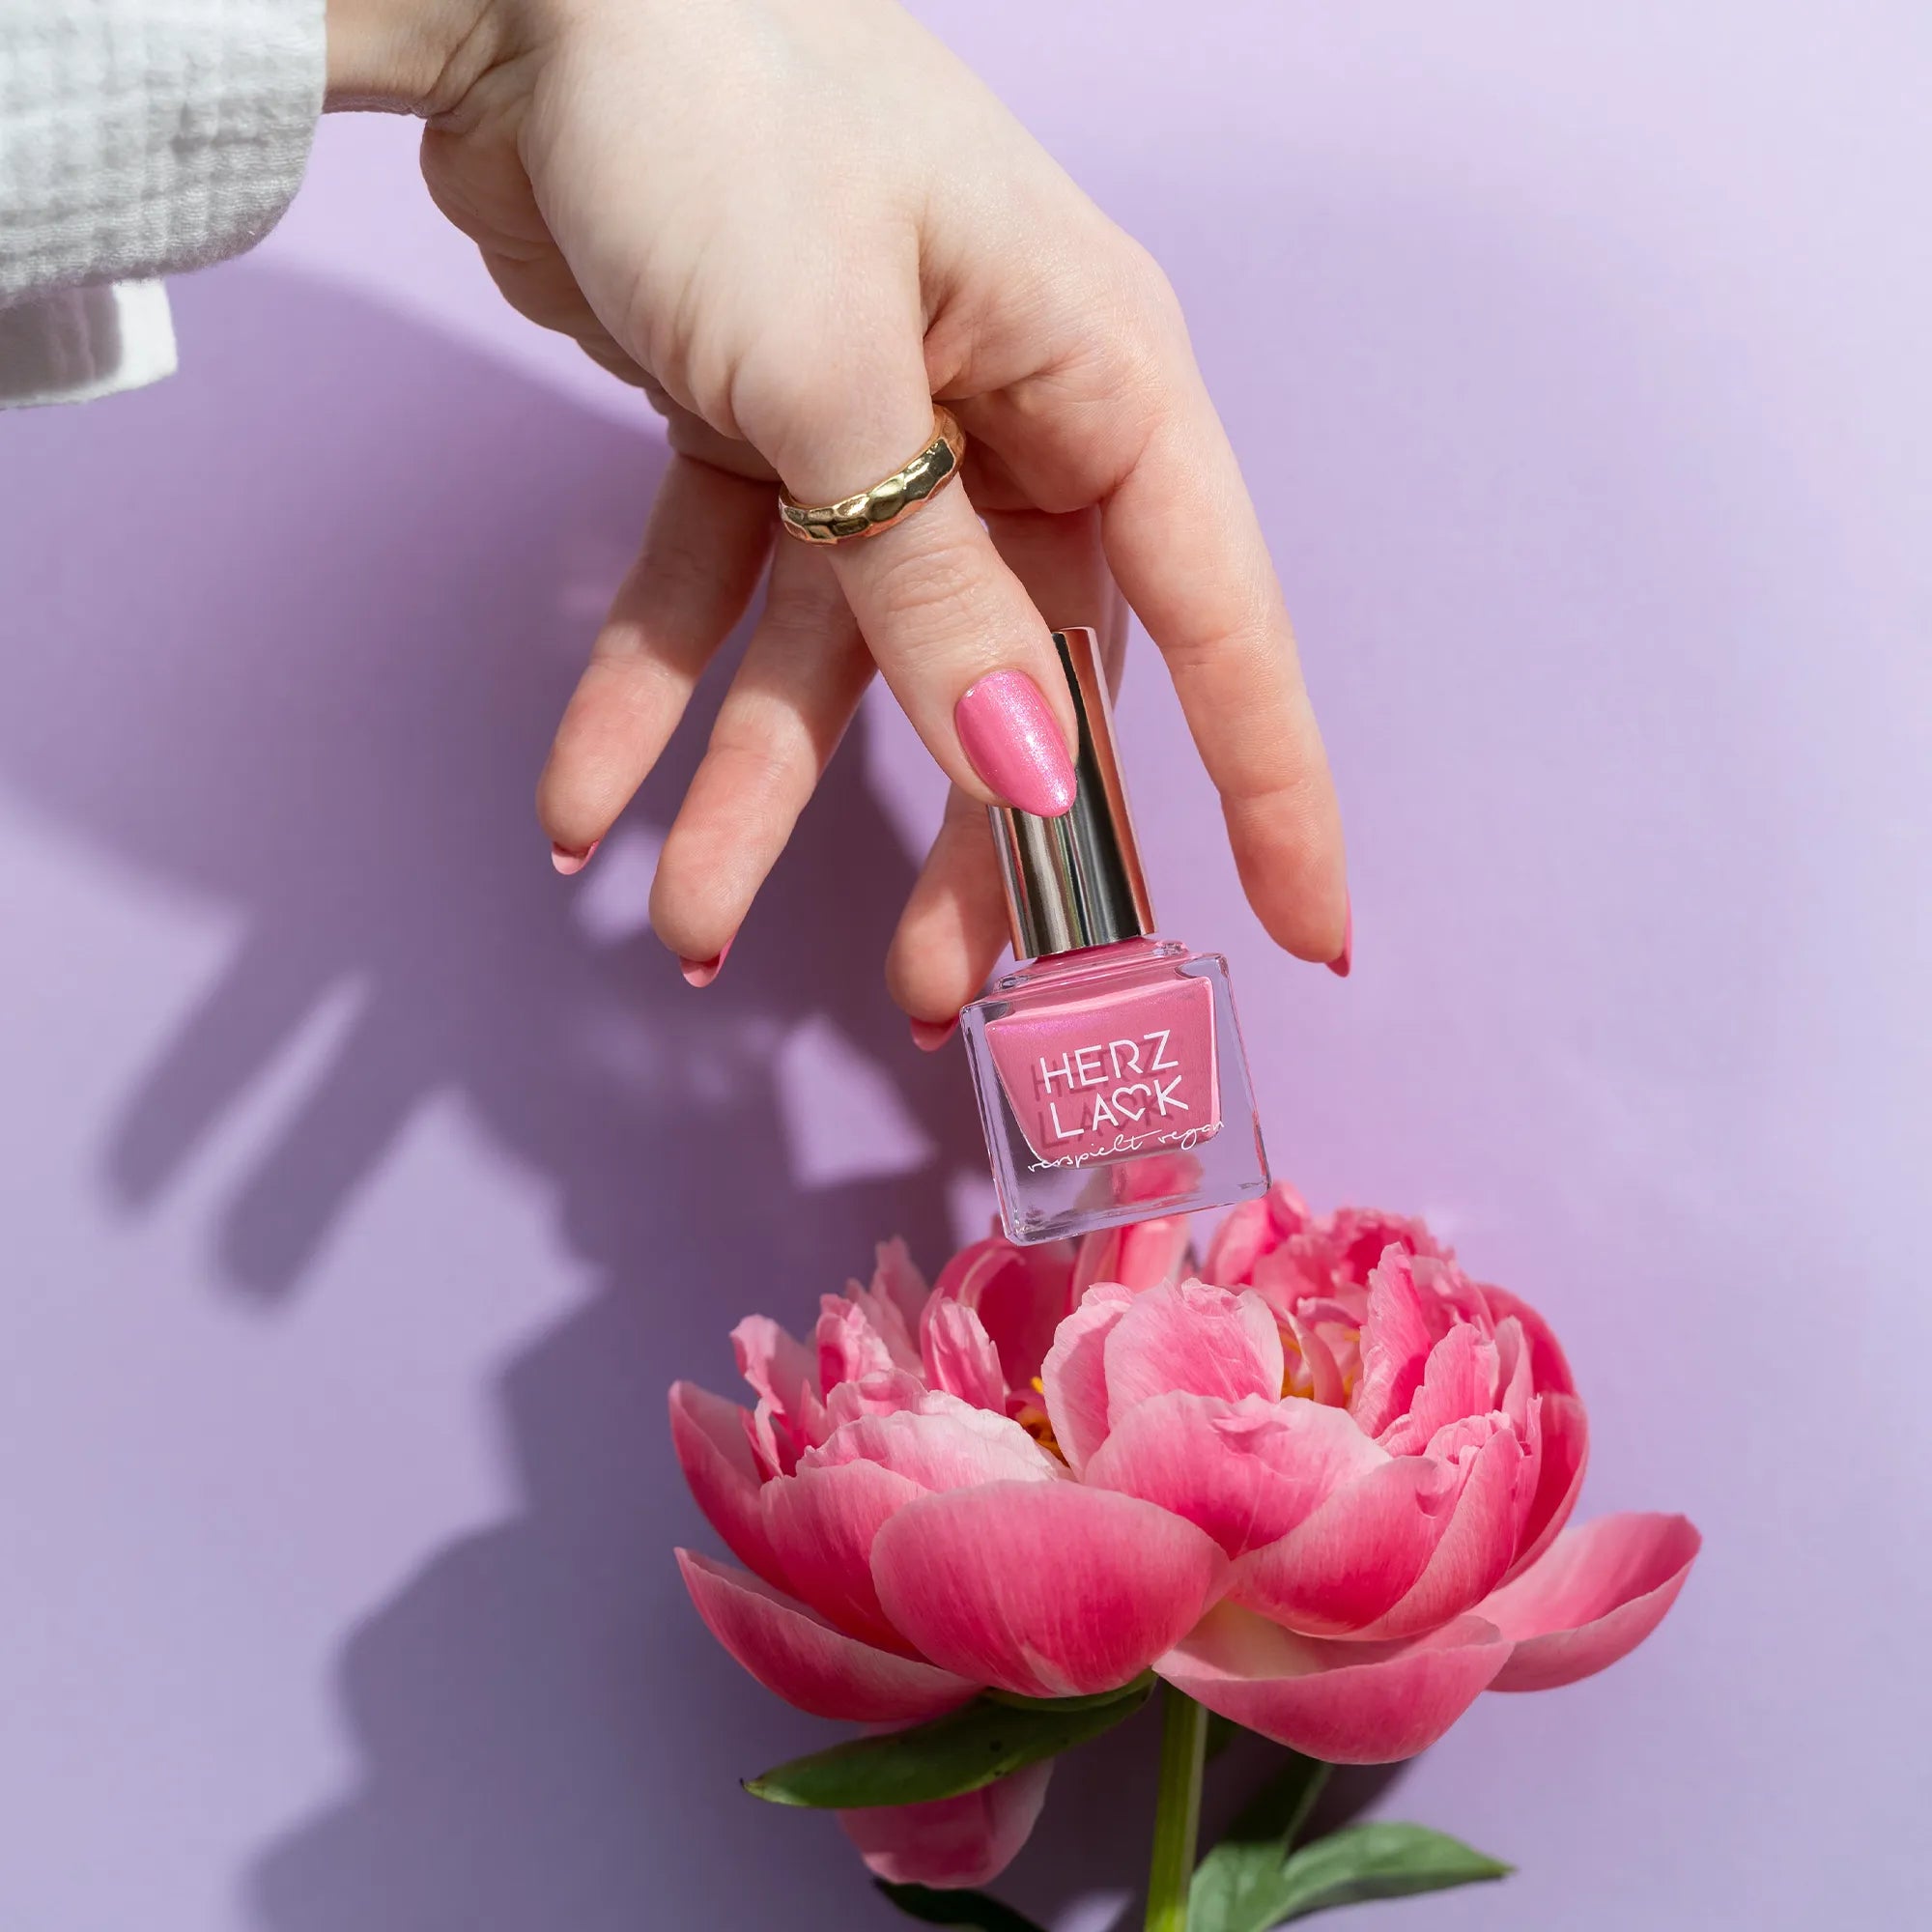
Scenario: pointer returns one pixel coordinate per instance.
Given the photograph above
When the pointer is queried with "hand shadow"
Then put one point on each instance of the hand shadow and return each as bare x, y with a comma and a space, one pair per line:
368, 566
363, 565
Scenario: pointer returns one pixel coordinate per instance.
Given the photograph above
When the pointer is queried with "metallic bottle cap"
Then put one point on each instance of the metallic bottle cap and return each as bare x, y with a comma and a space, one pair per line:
1076, 880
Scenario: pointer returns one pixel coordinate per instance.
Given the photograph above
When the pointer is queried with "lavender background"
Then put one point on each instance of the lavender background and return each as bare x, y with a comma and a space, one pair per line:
364, 1184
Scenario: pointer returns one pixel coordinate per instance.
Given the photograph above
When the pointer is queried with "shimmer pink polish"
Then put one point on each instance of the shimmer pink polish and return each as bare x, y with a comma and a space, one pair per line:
1012, 740
1108, 1066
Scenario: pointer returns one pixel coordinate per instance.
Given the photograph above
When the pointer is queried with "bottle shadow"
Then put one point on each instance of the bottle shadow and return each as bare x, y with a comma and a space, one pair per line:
363, 567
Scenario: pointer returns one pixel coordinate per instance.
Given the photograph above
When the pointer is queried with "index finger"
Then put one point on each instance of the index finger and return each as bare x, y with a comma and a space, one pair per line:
1183, 543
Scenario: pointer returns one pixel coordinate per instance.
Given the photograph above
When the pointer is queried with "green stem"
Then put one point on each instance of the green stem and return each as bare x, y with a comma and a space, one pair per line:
1176, 1819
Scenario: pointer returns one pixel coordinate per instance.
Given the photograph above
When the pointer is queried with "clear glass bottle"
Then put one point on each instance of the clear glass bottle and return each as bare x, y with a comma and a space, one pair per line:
1111, 1078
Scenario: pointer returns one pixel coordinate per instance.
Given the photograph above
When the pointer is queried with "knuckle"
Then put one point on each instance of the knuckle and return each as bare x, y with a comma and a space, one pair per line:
807, 601
793, 395
933, 587
678, 562
757, 765
1144, 292
1291, 820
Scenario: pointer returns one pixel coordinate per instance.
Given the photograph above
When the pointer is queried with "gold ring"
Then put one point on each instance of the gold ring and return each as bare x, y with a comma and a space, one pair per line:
886, 503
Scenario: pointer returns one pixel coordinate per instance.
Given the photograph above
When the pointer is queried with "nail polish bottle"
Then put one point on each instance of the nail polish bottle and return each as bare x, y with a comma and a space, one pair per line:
1108, 1065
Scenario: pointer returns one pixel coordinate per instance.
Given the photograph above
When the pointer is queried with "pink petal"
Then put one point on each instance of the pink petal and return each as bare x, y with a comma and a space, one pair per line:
1018, 1294
948, 1444
1347, 1703
1516, 1378
714, 1450
807, 1662
849, 1347
1327, 1383
1529, 1478
1143, 1256
1475, 1551
1358, 1238
1458, 1378
1396, 1341
1238, 1243
1451, 1297
1356, 1555
1074, 1375
1546, 1354
1598, 1593
1287, 1276
960, 1357
1288, 1212
894, 1275
821, 1523
951, 1842
1246, 1472
883, 1392
1196, 1338
887, 1321
774, 1362
783, 1371
1047, 1589
774, 1447
1565, 1430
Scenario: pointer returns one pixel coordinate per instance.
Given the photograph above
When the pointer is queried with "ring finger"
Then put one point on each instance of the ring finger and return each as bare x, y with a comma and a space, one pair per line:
803, 675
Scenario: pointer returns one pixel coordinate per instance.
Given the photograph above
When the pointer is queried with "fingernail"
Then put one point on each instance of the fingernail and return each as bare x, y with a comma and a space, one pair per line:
1343, 959
701, 972
1013, 741
929, 1035
569, 862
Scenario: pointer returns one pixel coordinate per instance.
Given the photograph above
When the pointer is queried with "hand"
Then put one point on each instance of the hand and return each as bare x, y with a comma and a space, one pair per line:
793, 228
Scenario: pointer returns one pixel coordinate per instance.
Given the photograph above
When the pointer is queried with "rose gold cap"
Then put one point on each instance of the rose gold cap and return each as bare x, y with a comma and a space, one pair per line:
1076, 881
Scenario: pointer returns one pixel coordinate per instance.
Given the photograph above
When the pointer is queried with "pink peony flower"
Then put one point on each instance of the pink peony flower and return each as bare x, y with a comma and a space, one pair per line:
1322, 1491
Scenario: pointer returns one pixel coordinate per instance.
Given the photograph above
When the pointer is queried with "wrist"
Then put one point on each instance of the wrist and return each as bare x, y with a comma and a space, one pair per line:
405, 56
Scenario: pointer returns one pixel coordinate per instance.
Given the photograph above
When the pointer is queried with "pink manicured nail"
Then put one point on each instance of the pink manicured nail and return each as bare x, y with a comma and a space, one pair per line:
569, 862
1343, 959
929, 1035
701, 972
1014, 743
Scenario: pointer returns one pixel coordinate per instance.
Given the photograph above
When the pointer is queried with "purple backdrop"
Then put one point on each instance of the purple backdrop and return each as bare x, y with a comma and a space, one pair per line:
364, 1184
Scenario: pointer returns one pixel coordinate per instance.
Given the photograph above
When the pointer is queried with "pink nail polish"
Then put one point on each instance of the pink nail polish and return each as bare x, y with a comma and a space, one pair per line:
1343, 959
929, 1035
570, 863
1109, 1068
701, 972
1012, 739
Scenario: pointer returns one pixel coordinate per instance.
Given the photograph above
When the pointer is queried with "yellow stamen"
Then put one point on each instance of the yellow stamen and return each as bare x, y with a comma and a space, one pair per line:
1038, 1424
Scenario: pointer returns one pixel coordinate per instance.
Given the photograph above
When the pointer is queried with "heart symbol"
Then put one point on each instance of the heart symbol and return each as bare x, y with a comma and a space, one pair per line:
1132, 1113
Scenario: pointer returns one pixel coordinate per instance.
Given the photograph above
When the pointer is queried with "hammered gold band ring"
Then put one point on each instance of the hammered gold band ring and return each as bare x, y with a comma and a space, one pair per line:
887, 502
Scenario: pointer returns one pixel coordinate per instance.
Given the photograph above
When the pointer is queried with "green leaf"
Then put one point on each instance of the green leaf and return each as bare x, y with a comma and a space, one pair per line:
961, 1751
954, 1908
1248, 1888
1236, 1886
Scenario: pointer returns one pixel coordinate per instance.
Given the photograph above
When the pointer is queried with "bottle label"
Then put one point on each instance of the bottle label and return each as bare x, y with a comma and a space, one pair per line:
1102, 1078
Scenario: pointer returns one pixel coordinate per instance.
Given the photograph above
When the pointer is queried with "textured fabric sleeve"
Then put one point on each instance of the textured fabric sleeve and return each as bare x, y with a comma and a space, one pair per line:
142, 137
